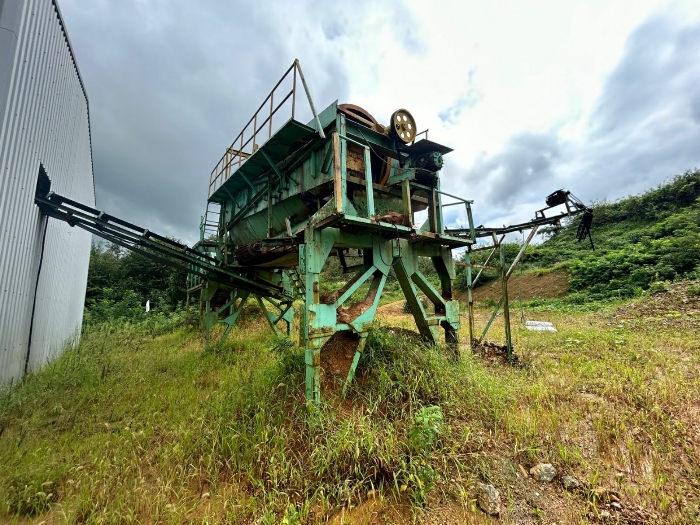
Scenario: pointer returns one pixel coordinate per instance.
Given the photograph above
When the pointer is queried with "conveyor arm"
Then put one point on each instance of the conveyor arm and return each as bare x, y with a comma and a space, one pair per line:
152, 245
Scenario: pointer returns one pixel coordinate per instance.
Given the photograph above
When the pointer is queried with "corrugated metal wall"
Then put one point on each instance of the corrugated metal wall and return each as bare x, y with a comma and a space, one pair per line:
44, 120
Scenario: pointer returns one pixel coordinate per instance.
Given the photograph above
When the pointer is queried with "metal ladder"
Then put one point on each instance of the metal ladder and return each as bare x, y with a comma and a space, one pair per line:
210, 221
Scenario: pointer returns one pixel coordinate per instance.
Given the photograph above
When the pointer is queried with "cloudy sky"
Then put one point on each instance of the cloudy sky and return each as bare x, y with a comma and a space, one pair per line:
599, 97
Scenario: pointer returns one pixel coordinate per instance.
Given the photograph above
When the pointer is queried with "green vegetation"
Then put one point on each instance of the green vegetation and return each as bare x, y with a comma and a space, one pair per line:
142, 427
120, 282
640, 242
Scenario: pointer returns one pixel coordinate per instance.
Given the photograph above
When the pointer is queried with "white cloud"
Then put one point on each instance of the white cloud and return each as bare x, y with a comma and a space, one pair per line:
504, 83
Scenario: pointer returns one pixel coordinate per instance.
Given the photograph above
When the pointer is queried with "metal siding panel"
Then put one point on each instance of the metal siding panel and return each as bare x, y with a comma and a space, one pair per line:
10, 21
50, 314
52, 51
53, 292
44, 150
15, 290
26, 234
44, 117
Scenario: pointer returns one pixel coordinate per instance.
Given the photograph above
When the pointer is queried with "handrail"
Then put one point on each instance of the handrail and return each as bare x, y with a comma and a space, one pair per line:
468, 206
235, 154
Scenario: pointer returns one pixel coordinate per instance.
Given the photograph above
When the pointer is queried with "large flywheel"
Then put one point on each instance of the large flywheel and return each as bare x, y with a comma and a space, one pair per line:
403, 126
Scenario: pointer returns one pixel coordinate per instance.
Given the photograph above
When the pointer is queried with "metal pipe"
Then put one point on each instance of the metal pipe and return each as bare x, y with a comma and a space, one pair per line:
521, 252
470, 299
506, 308
493, 316
493, 251
272, 103
368, 182
454, 197
274, 111
470, 218
311, 102
294, 91
269, 206
344, 137
265, 101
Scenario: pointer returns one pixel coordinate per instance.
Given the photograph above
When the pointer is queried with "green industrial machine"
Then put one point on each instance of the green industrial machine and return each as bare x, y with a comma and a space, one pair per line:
284, 200
339, 186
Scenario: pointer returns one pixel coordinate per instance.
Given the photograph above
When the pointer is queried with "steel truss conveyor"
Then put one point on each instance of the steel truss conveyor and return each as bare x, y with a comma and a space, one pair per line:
154, 246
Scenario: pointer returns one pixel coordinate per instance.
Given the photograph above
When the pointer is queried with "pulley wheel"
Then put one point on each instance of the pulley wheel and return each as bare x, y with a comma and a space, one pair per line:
403, 126
357, 114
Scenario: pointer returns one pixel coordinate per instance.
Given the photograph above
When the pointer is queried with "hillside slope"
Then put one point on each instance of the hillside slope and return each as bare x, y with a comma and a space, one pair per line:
640, 242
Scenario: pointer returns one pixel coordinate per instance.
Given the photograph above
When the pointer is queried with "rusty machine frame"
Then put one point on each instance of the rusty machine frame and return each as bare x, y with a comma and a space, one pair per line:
283, 200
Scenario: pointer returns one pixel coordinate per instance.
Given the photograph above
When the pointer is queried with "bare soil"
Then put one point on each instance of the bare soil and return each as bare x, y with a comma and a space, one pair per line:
526, 287
678, 306
336, 357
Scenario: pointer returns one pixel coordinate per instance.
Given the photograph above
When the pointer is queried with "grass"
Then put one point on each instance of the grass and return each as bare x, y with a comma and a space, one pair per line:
145, 427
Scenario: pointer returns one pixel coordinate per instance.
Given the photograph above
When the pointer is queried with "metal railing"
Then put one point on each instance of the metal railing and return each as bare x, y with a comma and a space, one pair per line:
424, 132
468, 205
246, 143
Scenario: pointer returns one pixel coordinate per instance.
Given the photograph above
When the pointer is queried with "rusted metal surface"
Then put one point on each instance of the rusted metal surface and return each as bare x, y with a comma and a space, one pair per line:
358, 114
556, 198
256, 253
403, 126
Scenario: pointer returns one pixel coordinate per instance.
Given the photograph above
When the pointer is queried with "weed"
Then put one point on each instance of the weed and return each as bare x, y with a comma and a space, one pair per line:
427, 427
137, 423
658, 286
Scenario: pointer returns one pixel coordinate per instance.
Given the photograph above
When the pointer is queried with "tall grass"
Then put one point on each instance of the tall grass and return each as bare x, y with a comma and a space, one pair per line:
141, 424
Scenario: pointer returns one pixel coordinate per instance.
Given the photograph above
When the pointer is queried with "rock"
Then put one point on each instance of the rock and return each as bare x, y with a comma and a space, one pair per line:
604, 495
488, 499
543, 472
534, 500
570, 483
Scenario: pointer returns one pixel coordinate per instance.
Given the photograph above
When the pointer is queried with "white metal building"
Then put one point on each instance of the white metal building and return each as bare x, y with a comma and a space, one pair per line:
44, 126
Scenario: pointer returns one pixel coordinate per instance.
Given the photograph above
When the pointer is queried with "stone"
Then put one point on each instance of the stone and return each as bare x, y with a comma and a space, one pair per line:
543, 472
570, 483
534, 500
488, 499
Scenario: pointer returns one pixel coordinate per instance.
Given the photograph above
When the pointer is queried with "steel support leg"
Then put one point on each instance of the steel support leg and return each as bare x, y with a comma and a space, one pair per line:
506, 309
470, 299
355, 361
